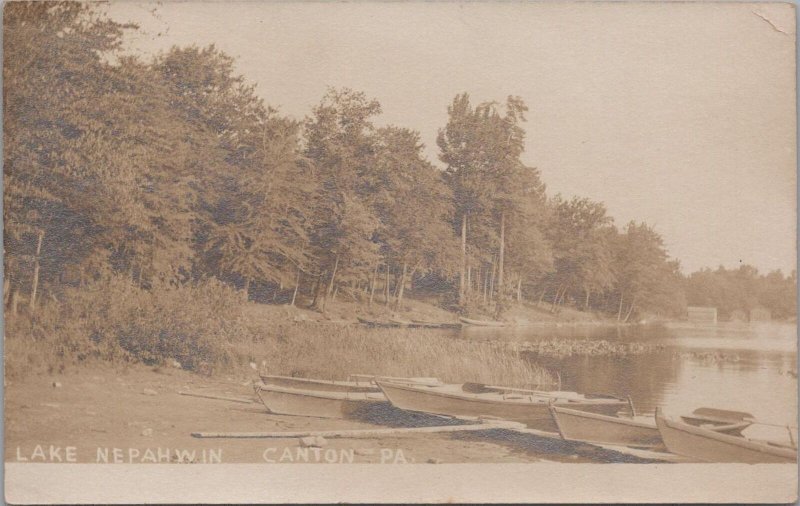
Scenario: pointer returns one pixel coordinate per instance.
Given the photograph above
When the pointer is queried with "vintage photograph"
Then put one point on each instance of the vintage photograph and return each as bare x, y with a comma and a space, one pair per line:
406, 234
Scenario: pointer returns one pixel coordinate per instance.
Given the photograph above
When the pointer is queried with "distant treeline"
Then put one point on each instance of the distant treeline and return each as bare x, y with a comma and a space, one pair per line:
172, 171
736, 292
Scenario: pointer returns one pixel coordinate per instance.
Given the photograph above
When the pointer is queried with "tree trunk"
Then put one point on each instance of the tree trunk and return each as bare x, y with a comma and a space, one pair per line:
296, 286
485, 278
14, 301
372, 284
491, 282
469, 279
333, 276
6, 290
397, 285
386, 286
630, 310
555, 298
462, 281
335, 292
563, 296
586, 302
400, 289
619, 311
35, 282
502, 255
319, 293
519, 289
541, 297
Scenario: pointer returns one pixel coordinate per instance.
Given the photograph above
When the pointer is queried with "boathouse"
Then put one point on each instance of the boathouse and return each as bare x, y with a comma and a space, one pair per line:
699, 314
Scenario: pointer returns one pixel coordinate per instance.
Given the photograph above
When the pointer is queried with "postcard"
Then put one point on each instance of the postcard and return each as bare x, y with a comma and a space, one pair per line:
379, 252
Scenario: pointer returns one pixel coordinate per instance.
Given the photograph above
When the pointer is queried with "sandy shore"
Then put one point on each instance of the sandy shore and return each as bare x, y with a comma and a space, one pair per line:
137, 415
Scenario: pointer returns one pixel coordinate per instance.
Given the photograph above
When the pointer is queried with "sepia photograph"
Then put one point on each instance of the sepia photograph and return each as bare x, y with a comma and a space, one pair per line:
399, 252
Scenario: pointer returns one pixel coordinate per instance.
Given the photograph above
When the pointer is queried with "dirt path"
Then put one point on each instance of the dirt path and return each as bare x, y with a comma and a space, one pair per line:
137, 415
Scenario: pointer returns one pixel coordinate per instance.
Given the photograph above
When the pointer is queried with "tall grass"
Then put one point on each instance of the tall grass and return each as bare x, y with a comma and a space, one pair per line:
202, 327
330, 352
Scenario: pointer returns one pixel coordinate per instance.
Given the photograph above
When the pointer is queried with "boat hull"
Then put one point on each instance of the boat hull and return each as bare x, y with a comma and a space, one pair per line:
709, 446
483, 323
286, 401
575, 425
319, 385
533, 414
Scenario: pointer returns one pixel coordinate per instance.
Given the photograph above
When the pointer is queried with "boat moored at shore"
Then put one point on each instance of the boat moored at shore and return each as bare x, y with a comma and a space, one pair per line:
530, 407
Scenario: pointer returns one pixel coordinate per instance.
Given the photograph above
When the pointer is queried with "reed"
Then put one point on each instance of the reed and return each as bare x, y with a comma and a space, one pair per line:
334, 353
560, 348
203, 328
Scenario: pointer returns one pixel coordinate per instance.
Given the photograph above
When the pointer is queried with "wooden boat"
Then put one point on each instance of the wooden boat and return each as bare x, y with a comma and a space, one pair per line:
526, 406
716, 443
436, 325
323, 404
483, 323
355, 383
402, 323
422, 380
638, 431
359, 385
576, 425
378, 323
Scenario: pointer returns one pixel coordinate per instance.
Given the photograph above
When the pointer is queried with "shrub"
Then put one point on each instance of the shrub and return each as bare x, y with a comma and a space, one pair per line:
115, 320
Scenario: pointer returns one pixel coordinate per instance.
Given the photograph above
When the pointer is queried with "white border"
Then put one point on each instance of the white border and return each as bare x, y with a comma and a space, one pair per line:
413, 483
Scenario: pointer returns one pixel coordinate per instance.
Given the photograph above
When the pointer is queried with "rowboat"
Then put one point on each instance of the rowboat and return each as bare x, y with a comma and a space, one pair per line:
720, 443
530, 407
359, 385
401, 323
483, 323
435, 325
577, 425
376, 323
355, 383
317, 403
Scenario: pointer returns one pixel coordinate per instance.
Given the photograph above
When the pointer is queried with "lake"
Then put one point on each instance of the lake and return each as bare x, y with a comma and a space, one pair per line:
744, 367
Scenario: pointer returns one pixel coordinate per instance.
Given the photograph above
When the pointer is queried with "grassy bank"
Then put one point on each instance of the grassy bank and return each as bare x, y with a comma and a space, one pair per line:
334, 352
204, 328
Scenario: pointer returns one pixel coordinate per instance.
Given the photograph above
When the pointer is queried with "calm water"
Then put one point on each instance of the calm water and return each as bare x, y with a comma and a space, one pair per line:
754, 377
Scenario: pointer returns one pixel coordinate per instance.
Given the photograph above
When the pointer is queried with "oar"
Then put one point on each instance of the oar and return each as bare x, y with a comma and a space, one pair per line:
480, 387
722, 414
725, 415
426, 382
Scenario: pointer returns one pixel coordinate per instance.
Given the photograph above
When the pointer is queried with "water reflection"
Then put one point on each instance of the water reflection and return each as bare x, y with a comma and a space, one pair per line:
743, 367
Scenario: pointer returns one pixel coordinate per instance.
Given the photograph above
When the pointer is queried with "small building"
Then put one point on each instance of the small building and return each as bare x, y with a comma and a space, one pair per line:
760, 314
699, 314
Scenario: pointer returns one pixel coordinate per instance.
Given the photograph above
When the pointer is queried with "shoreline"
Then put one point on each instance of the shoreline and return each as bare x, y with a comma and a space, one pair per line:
134, 415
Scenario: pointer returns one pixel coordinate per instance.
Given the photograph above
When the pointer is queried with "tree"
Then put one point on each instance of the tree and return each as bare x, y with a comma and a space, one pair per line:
645, 277
340, 143
408, 184
580, 232
76, 124
529, 251
482, 150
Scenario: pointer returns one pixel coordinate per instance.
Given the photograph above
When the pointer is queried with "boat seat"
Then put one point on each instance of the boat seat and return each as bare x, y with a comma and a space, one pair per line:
727, 428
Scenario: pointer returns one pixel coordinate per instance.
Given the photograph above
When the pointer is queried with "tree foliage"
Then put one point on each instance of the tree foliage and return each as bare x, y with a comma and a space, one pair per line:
171, 170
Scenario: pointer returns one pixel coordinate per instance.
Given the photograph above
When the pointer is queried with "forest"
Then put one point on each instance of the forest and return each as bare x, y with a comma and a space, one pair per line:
172, 174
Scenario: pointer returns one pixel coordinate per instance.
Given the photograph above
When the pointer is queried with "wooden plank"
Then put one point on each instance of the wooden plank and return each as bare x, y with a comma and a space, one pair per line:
363, 433
219, 397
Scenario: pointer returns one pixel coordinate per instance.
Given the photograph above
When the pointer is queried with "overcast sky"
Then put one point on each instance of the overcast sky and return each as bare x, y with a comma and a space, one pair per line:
681, 115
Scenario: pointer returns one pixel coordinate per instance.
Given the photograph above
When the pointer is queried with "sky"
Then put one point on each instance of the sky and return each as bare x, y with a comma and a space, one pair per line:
681, 115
